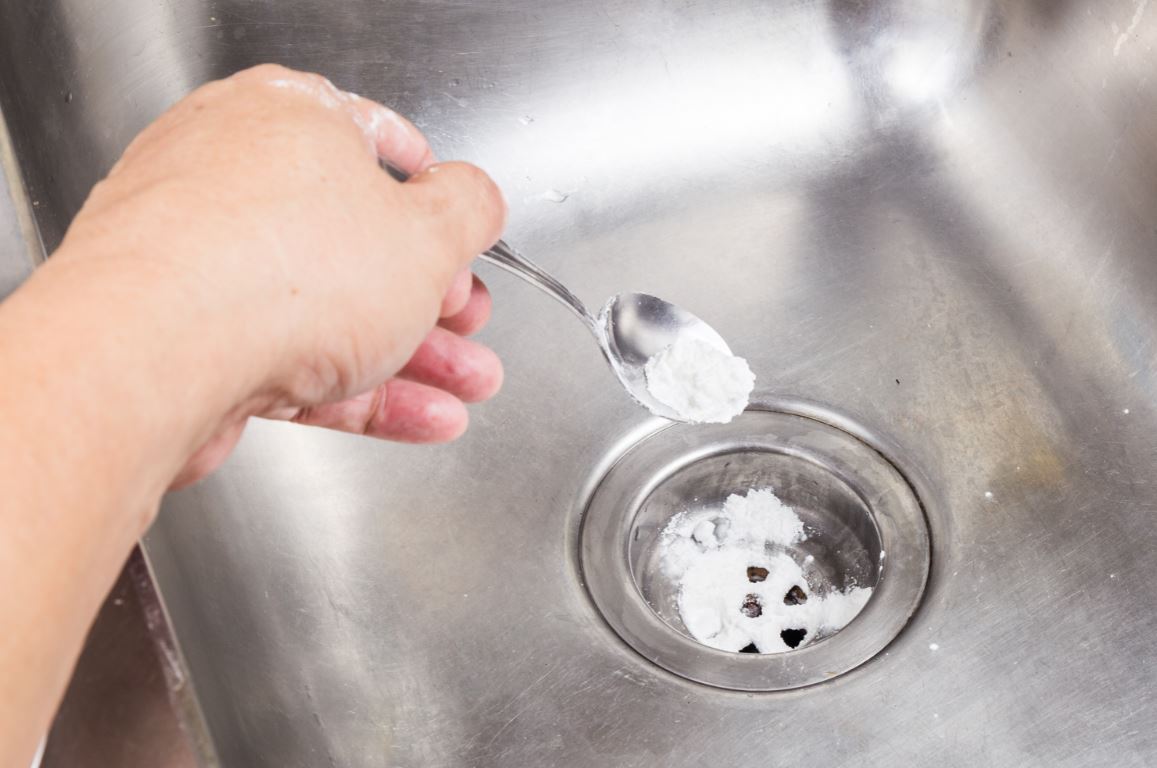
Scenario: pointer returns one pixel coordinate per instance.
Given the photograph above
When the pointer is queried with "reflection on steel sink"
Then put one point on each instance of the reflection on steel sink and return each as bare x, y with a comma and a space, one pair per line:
934, 218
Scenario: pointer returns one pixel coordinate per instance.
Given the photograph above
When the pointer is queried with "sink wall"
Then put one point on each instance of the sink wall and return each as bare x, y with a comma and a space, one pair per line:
937, 219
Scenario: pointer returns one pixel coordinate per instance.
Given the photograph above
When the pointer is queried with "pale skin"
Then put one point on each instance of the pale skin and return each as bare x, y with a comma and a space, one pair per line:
246, 257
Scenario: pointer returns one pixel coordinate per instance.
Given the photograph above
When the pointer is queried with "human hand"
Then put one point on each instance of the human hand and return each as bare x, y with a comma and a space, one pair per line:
317, 288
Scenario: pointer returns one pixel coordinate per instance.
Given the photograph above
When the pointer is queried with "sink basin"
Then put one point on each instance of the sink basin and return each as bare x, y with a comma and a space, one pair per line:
933, 221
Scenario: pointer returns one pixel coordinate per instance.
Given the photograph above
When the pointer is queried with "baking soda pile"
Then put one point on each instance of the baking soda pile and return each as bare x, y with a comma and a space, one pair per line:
738, 587
699, 381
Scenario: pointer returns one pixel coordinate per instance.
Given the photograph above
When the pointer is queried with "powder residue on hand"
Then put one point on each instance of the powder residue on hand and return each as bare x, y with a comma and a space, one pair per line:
738, 586
699, 381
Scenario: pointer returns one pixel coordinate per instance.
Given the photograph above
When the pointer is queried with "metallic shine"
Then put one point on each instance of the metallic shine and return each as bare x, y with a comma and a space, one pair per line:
864, 525
629, 330
937, 218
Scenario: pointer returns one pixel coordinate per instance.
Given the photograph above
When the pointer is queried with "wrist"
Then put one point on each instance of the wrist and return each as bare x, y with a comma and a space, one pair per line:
117, 366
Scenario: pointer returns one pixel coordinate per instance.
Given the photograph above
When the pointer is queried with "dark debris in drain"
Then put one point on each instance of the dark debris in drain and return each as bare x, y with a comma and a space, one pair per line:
749, 648
755, 574
795, 596
751, 607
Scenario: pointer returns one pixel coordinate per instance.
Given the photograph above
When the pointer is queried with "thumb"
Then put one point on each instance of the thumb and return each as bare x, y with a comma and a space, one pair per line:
461, 211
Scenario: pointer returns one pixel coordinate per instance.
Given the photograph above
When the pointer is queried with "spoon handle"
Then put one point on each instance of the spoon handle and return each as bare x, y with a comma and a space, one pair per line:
503, 256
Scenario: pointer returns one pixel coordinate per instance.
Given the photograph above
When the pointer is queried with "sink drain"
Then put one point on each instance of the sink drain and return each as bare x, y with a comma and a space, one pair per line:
864, 528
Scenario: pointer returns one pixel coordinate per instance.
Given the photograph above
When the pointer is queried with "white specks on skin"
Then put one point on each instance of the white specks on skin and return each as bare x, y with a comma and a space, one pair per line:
378, 116
1125, 411
933, 646
324, 92
1124, 36
332, 97
988, 495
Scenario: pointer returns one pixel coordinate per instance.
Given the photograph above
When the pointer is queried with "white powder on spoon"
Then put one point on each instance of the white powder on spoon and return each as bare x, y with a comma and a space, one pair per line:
699, 381
737, 584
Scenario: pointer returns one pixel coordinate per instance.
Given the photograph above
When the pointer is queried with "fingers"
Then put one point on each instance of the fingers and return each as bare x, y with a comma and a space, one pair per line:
209, 456
394, 137
390, 136
465, 369
462, 210
474, 314
459, 294
404, 411
425, 403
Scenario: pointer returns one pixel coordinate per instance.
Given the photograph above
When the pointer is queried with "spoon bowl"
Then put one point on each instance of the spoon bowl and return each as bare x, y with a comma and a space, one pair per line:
630, 329
634, 327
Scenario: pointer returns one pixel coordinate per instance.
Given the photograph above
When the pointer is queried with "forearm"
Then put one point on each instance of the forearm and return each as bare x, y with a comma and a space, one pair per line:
246, 256
94, 422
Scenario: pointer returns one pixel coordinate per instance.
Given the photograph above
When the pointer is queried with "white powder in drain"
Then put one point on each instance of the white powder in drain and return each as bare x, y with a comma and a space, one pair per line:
699, 381
739, 586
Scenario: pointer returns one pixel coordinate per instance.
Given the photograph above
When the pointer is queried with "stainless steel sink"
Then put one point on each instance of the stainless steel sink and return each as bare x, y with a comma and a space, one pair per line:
933, 220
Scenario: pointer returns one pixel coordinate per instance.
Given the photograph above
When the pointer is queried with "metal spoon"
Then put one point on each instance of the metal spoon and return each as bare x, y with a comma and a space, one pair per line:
630, 329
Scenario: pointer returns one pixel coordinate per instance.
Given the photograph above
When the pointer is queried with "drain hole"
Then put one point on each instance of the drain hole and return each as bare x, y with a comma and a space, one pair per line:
793, 637
795, 596
751, 607
760, 537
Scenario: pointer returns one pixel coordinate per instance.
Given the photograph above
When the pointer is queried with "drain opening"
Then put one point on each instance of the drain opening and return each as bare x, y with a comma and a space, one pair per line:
795, 596
752, 552
793, 637
751, 607
772, 596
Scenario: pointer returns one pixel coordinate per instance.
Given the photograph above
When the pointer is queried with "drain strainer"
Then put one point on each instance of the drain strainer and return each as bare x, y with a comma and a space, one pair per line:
864, 528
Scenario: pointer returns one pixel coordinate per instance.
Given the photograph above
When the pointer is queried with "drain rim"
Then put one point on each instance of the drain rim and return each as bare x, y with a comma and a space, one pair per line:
828, 439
